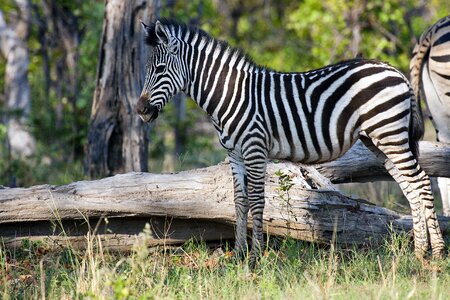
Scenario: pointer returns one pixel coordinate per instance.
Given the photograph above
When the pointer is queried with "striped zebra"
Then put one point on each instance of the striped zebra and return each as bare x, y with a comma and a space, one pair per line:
430, 77
309, 117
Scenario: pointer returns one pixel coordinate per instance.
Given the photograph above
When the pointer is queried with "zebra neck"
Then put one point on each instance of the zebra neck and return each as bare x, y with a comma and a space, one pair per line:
216, 80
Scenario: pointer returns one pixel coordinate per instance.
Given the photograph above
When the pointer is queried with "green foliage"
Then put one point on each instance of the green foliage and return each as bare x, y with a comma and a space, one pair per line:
284, 181
54, 123
328, 26
284, 186
316, 25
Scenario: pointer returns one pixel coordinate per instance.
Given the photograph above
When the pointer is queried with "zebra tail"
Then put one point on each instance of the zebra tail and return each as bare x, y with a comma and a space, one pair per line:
416, 126
420, 54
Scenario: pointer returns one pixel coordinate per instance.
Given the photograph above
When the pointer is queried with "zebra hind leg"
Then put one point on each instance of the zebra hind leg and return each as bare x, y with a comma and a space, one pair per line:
402, 165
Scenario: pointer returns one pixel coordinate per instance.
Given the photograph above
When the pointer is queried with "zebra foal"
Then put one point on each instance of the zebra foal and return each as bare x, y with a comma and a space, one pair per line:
308, 117
430, 78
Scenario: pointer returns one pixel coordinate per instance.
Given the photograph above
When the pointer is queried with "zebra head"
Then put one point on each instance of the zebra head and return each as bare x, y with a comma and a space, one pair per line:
165, 75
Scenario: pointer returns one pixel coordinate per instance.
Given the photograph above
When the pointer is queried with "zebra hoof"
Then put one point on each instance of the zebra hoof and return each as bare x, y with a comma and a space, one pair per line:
438, 254
239, 255
252, 263
421, 253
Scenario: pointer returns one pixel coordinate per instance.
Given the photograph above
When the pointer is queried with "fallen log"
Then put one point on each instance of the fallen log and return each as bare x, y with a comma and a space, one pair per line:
191, 204
359, 164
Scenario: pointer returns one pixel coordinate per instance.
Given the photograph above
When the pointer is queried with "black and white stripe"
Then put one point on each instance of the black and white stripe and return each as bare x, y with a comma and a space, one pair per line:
308, 117
430, 77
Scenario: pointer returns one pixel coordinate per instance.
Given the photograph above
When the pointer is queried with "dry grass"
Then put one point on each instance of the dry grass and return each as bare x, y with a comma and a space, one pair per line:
288, 270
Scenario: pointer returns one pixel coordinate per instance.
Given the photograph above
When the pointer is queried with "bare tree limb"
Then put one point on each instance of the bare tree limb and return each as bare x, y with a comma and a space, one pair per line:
361, 165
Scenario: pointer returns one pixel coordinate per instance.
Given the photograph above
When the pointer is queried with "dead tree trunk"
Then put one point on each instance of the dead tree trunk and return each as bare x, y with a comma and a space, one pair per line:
17, 88
117, 138
193, 204
361, 165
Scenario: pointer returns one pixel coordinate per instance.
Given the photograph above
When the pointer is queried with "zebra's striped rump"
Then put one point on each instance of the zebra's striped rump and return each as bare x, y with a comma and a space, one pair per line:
430, 77
430, 74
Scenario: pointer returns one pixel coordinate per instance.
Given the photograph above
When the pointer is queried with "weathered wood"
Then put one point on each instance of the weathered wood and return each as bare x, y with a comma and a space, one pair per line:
203, 195
360, 165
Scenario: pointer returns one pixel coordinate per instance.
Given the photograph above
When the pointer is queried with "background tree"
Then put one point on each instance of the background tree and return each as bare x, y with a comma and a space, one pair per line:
117, 138
57, 118
65, 32
16, 86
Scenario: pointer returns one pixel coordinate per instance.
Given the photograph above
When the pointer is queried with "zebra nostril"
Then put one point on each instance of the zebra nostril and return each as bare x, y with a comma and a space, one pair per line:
145, 110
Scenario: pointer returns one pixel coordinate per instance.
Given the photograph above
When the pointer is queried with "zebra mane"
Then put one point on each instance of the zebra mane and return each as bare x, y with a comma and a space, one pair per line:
181, 30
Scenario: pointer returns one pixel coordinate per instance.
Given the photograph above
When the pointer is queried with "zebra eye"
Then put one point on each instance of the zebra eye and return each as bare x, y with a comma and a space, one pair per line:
160, 69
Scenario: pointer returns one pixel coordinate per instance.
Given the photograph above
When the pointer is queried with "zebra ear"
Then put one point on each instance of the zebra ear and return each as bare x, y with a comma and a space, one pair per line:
150, 37
161, 33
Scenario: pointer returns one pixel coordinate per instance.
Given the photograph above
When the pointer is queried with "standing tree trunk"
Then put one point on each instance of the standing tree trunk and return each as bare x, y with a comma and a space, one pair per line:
352, 17
17, 88
117, 138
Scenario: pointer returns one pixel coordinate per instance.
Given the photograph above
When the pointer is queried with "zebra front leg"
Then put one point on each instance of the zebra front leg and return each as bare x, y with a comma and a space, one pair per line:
240, 202
256, 171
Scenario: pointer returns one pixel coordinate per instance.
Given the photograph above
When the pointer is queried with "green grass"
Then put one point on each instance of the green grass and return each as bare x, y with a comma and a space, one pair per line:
291, 270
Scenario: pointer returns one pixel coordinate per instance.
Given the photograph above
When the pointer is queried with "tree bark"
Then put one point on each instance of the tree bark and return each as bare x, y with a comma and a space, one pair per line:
17, 89
117, 138
200, 205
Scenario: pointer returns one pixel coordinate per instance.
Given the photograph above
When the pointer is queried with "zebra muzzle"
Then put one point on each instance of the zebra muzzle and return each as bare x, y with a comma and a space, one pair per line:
145, 110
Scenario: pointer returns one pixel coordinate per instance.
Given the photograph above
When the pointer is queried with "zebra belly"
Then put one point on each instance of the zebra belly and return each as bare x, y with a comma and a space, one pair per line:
307, 153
